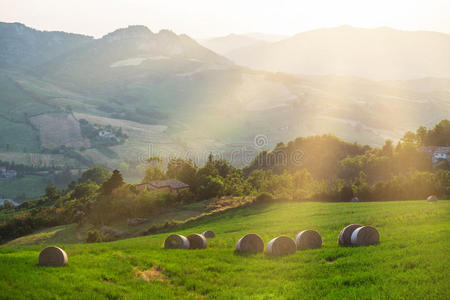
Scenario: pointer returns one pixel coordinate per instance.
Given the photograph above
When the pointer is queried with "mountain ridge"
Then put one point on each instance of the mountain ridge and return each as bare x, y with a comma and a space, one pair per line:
381, 53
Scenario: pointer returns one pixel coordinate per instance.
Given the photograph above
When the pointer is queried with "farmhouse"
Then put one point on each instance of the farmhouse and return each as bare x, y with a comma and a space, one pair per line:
437, 152
169, 186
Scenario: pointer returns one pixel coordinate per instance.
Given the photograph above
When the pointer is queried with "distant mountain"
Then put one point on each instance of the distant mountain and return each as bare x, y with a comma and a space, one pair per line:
25, 47
225, 44
381, 53
130, 53
266, 37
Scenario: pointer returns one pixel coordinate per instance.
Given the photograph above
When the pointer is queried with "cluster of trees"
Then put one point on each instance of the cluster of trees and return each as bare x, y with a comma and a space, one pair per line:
24, 169
439, 135
317, 168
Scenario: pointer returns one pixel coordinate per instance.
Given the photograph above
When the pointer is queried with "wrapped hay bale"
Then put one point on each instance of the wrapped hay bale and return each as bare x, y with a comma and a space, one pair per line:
432, 198
345, 237
209, 234
53, 256
250, 243
176, 241
196, 241
365, 236
281, 245
308, 239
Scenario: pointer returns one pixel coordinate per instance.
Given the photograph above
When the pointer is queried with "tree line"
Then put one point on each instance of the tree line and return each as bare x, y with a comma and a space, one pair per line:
315, 168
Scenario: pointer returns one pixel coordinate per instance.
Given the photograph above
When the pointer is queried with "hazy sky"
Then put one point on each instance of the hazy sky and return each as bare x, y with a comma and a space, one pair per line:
206, 18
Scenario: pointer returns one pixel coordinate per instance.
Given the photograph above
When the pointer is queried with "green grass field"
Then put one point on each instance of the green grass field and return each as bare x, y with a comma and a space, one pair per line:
411, 262
31, 186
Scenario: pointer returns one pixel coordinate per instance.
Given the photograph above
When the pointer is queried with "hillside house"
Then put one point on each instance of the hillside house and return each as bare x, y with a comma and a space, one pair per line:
166, 186
437, 152
105, 134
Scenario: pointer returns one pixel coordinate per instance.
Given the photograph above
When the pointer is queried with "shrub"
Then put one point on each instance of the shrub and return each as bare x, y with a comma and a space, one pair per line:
93, 237
264, 197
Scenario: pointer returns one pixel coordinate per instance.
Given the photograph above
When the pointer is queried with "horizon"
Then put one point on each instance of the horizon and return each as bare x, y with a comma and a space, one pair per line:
287, 18
249, 34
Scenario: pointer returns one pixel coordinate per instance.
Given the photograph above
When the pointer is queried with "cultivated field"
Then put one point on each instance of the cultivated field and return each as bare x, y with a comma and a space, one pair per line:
412, 261
59, 129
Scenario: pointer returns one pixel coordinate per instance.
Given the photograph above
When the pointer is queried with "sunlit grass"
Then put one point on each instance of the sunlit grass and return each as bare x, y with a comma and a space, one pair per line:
411, 261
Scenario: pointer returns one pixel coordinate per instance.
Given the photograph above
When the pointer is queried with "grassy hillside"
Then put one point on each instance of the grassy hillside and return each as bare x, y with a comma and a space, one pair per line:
30, 186
411, 261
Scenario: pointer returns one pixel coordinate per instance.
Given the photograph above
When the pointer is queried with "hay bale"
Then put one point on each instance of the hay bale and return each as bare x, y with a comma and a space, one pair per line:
196, 241
432, 198
176, 241
281, 245
308, 239
209, 234
250, 243
53, 256
345, 237
365, 236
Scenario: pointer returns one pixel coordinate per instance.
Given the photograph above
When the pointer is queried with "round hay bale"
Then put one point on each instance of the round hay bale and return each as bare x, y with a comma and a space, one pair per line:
345, 237
365, 236
209, 234
53, 256
308, 239
281, 245
196, 241
176, 241
432, 198
250, 243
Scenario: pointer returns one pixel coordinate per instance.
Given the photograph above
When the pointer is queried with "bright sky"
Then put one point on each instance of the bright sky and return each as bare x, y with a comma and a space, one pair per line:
207, 18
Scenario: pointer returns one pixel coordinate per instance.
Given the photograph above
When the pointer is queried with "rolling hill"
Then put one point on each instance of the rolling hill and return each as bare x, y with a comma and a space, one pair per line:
381, 53
410, 262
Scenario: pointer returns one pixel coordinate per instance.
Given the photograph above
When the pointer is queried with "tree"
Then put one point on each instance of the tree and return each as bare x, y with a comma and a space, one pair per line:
112, 183
209, 187
8, 204
96, 174
52, 192
153, 173
84, 190
223, 167
388, 148
183, 170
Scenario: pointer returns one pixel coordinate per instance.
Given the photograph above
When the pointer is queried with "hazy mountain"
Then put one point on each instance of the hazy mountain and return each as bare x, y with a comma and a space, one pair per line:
225, 44
24, 47
381, 53
266, 37
131, 53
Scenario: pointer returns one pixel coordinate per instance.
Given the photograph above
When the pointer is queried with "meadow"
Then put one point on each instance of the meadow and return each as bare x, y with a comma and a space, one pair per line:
411, 261
30, 186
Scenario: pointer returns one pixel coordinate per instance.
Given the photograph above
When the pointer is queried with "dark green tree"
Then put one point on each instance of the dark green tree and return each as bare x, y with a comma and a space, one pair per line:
52, 193
112, 183
96, 174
